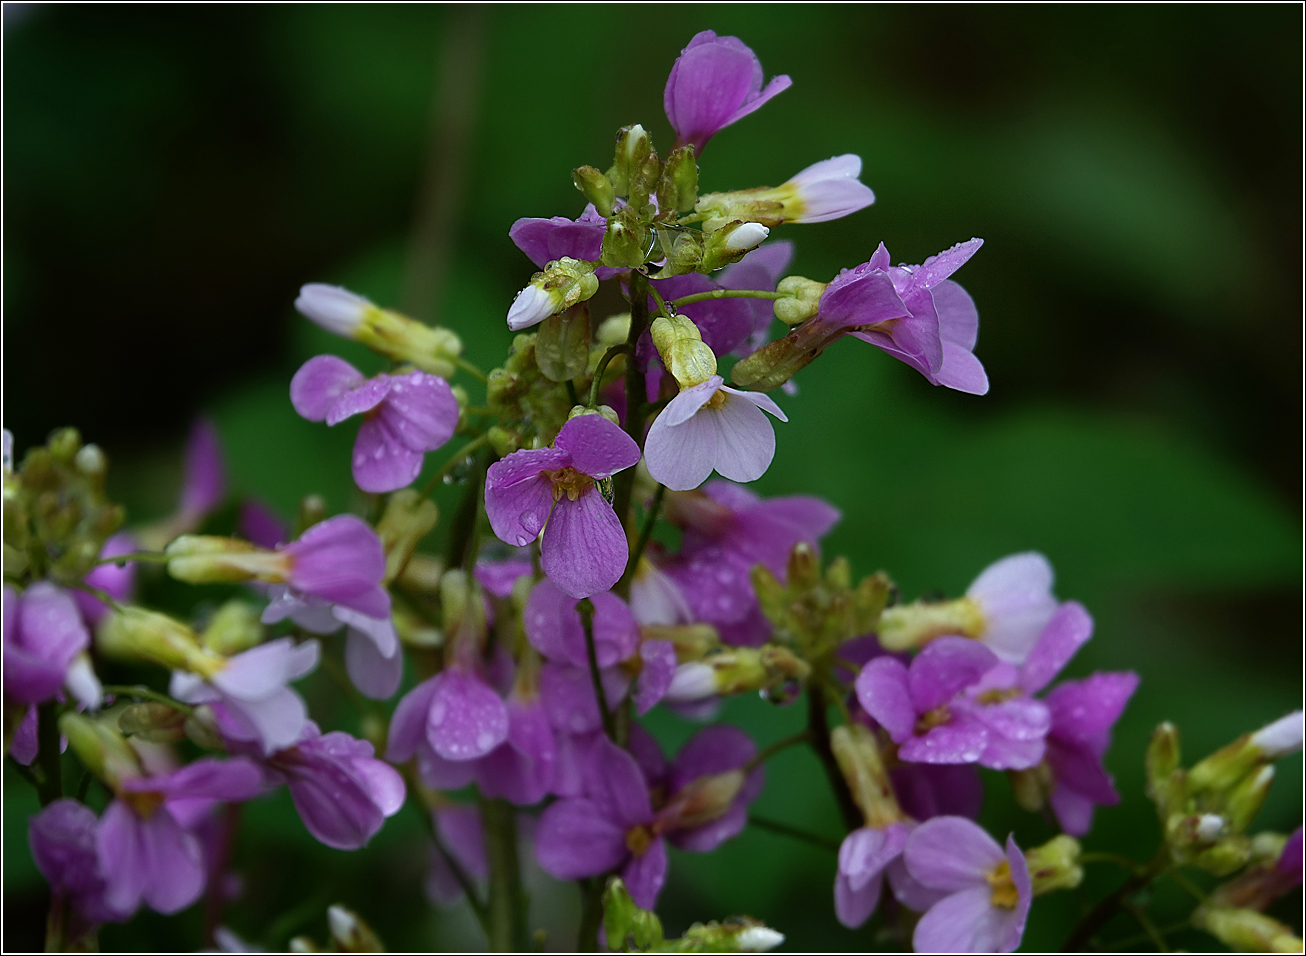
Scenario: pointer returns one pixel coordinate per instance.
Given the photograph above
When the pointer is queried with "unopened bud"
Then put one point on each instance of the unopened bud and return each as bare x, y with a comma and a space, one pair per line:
633, 148
1228, 766
1165, 787
858, 756
561, 285
804, 566
135, 632
1055, 865
408, 518
691, 641
683, 250
684, 353
596, 188
613, 330
703, 800
624, 923
803, 299
731, 243
562, 344
64, 444
312, 509
678, 189
908, 627
1247, 798
1246, 931
202, 729
384, 331
350, 933
235, 627
209, 559
625, 241
1031, 787
90, 461
155, 722
102, 750
416, 631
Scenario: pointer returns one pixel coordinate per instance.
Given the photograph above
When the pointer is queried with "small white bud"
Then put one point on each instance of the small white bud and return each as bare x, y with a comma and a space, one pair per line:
1209, 827
333, 307
759, 939
531, 307
747, 236
1284, 736
692, 682
82, 682
342, 923
90, 460
7, 451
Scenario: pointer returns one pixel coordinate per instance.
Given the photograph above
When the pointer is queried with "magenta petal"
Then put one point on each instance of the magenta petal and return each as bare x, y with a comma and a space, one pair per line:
234, 780
1065, 634
938, 268
947, 666
958, 327
1085, 709
337, 559
24, 746
1074, 810
521, 769
381, 461
598, 448
659, 667
553, 626
951, 853
961, 741
408, 725
617, 786
420, 410
467, 718
374, 674
364, 397
716, 749
319, 383
584, 549
544, 240
645, 874
574, 839
204, 483
518, 496
882, 690
118, 846
440, 774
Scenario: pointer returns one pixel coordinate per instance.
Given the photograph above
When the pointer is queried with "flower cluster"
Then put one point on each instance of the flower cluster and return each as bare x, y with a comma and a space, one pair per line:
594, 571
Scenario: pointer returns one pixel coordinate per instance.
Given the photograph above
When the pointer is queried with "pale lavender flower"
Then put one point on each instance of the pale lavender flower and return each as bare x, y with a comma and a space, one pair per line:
707, 427
715, 82
459, 828
929, 713
253, 700
342, 792
44, 640
988, 891
1015, 597
117, 581
864, 856
62, 840
455, 714
405, 416
584, 549
548, 240
144, 853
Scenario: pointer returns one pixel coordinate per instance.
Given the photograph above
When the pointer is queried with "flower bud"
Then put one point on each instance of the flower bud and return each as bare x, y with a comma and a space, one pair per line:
678, 189
804, 299
90, 461
1055, 865
908, 627
209, 559
633, 148
691, 641
731, 243
1247, 798
154, 722
560, 286
137, 633
464, 611
624, 923
408, 518
102, 750
625, 241
202, 729
1223, 769
1246, 931
350, 933
1031, 787
416, 631
683, 249
235, 627
613, 330
858, 756
596, 188
386, 332
312, 510
562, 344
703, 800
1165, 787
689, 360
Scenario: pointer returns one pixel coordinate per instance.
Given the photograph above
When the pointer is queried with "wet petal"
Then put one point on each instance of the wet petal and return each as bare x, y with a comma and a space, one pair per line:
745, 440
598, 447
951, 853
645, 874
467, 718
518, 497
319, 383
381, 460
574, 839
584, 549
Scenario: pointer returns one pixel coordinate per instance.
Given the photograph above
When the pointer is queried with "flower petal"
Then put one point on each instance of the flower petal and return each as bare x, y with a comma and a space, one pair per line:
467, 718
951, 854
173, 861
598, 447
381, 460
420, 410
645, 874
584, 549
883, 691
374, 674
947, 666
319, 383
681, 454
1065, 634
408, 725
574, 839
517, 495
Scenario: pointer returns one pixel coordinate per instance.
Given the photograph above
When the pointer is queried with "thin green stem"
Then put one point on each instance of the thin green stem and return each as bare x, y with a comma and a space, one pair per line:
1114, 858
572, 396
1101, 914
586, 610
465, 882
458, 457
608, 356
157, 557
645, 534
636, 407
726, 294
1123, 945
144, 693
796, 833
591, 914
766, 753
48, 759
24, 772
818, 725
662, 303
471, 369
103, 597
1141, 918
1191, 888
507, 902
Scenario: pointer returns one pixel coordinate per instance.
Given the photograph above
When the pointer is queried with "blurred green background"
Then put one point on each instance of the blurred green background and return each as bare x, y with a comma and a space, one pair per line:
172, 175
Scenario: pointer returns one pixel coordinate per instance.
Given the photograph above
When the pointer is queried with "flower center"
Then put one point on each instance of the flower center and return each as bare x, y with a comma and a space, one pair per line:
143, 803
719, 398
933, 718
638, 839
570, 482
1004, 892
998, 695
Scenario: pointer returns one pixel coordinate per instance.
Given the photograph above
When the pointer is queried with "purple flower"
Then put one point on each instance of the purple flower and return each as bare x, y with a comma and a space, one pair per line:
342, 792
1083, 713
204, 483
567, 692
117, 581
253, 700
24, 746
714, 82
372, 654
455, 714
459, 828
521, 769
260, 524
936, 336
62, 840
340, 561
553, 626
44, 637
988, 891
584, 549
929, 713
405, 416
864, 856
927, 790
700, 812
1289, 864
548, 240
144, 852
708, 427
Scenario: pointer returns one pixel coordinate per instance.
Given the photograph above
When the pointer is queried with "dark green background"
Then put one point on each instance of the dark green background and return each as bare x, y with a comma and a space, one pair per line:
171, 176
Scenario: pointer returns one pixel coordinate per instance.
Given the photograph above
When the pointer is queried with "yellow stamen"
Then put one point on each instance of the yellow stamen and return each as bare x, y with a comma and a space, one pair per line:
638, 840
1004, 893
933, 718
570, 482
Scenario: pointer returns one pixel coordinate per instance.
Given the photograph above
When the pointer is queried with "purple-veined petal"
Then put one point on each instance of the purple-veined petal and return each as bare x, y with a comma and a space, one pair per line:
408, 725
947, 666
521, 769
362, 398
420, 410
1065, 634
951, 854
597, 447
714, 82
546, 240
584, 549
681, 455
1085, 709
659, 667
319, 383
381, 461
961, 741
518, 496
617, 786
883, 691
644, 874
467, 719
337, 559
574, 839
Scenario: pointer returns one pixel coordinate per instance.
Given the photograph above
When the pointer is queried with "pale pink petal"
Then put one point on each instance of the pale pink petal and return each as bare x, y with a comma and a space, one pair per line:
686, 405
374, 674
745, 440
584, 550
951, 853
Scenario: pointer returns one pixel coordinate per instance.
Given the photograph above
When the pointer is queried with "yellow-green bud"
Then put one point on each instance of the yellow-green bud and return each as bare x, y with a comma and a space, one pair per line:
689, 360
1165, 784
100, 748
561, 284
678, 189
1247, 931
731, 243
502, 441
384, 331
154, 722
596, 188
625, 241
691, 641
625, 924
312, 509
562, 343
350, 933
613, 330
859, 759
208, 559
804, 299
235, 627
633, 148
683, 250
1055, 865
137, 633
907, 627
464, 611
408, 518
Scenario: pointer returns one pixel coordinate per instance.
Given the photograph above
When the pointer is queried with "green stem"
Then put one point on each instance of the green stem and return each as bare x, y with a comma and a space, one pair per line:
662, 303
572, 396
636, 407
645, 533
55, 923
1115, 858
103, 597
818, 725
24, 772
471, 369
586, 609
454, 461
599, 372
591, 915
156, 556
507, 902
727, 294
784, 829
144, 693
766, 753
1101, 914
462, 532
48, 759
1141, 918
